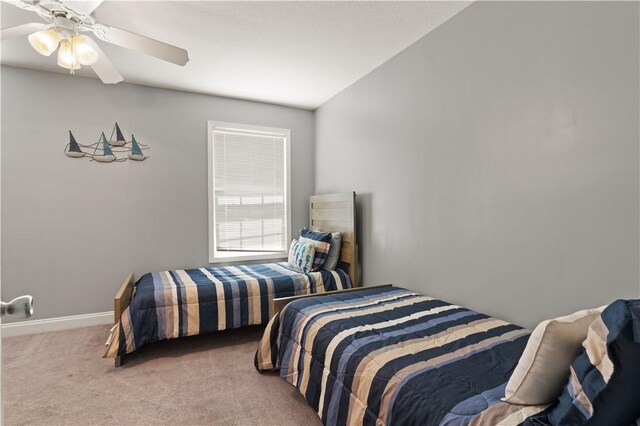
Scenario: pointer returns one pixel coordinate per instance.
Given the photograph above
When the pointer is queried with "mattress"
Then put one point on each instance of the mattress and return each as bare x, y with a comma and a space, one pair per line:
392, 356
188, 302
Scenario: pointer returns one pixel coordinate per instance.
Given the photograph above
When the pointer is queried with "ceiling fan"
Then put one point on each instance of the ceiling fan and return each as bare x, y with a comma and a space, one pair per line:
66, 19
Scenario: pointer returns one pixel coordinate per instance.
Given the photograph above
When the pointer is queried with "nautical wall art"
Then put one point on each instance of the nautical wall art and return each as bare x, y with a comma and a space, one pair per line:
108, 150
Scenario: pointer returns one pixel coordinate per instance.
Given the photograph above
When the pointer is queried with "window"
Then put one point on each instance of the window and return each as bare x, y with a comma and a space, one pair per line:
249, 192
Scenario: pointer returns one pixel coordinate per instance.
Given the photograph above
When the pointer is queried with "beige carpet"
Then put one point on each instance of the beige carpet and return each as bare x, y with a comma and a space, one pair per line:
60, 378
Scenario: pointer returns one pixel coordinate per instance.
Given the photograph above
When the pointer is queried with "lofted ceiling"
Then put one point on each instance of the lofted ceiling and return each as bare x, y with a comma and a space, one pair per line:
297, 53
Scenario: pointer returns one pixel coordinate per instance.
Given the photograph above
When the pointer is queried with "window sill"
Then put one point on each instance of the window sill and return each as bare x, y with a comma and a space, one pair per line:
227, 257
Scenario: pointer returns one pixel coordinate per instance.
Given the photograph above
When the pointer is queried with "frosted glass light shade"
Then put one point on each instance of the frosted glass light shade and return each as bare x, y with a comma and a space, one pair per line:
44, 42
66, 57
83, 51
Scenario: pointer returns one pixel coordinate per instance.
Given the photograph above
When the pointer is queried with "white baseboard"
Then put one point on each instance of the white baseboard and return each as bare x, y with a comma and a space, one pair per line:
56, 324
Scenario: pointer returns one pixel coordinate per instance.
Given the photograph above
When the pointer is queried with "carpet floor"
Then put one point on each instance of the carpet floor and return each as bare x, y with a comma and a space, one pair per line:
60, 378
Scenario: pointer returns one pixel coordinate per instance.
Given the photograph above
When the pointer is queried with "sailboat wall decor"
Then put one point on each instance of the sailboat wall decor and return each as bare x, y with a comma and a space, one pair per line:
136, 153
73, 149
108, 150
107, 155
120, 140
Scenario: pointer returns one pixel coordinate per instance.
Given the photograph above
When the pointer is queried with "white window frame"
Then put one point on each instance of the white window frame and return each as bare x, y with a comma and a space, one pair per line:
225, 257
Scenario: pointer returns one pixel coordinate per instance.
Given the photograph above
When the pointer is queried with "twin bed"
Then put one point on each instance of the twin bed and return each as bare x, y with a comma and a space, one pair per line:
387, 355
172, 304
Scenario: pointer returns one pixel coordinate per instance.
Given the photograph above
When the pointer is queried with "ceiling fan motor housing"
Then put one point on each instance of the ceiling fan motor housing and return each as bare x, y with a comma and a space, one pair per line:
65, 26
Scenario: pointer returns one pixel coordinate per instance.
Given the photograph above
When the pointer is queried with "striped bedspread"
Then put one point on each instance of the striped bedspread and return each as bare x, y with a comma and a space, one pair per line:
390, 356
179, 303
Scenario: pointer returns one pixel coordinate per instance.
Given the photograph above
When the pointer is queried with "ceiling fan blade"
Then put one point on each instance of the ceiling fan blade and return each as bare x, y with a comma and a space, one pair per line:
22, 4
21, 30
103, 66
83, 7
142, 44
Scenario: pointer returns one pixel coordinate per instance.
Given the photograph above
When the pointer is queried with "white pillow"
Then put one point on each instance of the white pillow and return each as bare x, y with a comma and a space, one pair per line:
301, 256
543, 368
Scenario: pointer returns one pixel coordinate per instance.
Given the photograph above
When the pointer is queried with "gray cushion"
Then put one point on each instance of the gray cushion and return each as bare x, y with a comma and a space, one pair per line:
334, 252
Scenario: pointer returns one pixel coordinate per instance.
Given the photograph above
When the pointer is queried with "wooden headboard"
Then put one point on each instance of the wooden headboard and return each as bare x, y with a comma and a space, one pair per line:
337, 213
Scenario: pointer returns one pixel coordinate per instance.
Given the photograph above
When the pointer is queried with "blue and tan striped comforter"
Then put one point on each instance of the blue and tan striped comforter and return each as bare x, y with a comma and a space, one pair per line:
179, 303
391, 356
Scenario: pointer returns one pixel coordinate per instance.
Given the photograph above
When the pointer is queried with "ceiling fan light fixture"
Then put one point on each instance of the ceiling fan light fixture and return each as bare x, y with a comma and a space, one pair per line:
66, 57
65, 19
45, 42
85, 54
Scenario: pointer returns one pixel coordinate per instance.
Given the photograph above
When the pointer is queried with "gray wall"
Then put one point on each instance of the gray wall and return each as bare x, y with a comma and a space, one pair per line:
496, 160
72, 229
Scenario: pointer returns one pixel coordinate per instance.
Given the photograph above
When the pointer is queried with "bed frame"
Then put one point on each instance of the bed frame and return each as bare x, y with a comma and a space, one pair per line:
280, 303
328, 213
337, 213
120, 303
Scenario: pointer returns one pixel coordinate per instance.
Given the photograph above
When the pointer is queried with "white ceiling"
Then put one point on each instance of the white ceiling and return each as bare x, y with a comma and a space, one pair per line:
292, 53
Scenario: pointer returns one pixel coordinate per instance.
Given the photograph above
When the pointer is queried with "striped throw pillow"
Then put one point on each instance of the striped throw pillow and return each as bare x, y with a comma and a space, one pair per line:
322, 243
604, 384
301, 256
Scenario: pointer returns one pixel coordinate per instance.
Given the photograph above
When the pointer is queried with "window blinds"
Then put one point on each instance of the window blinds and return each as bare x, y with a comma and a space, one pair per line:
249, 191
